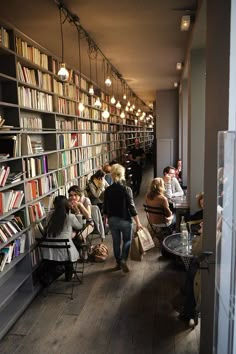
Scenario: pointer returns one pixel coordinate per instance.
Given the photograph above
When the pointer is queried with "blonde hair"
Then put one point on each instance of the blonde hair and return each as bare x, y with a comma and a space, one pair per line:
117, 172
199, 197
157, 187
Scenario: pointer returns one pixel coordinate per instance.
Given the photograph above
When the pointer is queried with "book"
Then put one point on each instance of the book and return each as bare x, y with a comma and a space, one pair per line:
4, 251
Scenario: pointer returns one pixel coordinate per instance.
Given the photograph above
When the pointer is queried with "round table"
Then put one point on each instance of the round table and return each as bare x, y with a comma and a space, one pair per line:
176, 245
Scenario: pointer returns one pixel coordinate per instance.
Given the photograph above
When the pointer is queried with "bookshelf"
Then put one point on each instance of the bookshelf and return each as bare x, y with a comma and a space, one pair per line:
46, 145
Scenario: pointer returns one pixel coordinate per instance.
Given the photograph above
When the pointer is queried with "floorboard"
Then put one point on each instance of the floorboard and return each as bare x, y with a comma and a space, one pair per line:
112, 312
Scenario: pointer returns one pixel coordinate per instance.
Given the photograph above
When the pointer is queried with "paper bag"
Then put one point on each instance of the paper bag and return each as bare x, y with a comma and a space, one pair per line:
145, 239
136, 253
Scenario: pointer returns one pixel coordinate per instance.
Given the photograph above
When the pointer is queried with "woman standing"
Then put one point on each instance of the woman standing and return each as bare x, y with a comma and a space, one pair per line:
119, 207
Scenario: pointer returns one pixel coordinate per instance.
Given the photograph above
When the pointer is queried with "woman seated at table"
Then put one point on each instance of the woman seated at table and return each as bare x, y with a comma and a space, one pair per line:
81, 207
156, 198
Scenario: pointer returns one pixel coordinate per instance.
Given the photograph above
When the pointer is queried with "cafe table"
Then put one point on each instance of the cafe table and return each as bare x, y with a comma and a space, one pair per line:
183, 248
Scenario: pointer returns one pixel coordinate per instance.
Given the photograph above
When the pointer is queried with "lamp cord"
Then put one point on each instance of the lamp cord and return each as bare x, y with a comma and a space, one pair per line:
62, 38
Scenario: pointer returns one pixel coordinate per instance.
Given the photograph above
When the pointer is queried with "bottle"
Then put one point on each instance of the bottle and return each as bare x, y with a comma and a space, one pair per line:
184, 231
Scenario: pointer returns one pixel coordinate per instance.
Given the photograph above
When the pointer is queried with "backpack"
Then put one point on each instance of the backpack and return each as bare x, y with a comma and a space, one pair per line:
99, 252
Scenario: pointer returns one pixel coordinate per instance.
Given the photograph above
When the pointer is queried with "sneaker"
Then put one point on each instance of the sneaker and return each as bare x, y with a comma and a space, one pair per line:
124, 267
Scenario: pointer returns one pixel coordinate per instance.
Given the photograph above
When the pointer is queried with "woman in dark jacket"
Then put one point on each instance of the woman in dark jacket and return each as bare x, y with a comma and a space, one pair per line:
119, 207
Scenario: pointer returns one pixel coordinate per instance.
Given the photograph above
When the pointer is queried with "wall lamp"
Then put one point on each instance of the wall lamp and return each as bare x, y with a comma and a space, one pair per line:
185, 22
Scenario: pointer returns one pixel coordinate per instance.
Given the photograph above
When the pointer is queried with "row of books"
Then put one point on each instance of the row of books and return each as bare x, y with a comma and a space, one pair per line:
10, 227
35, 166
4, 37
40, 186
65, 124
7, 177
34, 77
31, 123
67, 175
35, 99
68, 157
36, 212
13, 250
66, 89
31, 53
11, 199
65, 106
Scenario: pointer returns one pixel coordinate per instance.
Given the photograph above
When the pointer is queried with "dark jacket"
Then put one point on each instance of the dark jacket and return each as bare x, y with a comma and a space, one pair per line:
118, 201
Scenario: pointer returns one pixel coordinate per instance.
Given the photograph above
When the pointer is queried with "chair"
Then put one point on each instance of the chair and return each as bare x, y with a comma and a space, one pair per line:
159, 230
52, 270
194, 226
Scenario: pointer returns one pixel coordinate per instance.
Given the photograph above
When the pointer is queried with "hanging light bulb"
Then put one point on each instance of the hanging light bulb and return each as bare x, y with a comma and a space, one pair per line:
105, 114
131, 109
81, 107
91, 90
139, 110
133, 106
63, 73
122, 115
108, 81
124, 96
126, 108
98, 103
128, 104
113, 100
118, 105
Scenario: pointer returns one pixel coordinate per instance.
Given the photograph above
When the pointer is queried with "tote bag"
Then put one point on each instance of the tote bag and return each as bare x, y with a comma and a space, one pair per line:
136, 253
145, 239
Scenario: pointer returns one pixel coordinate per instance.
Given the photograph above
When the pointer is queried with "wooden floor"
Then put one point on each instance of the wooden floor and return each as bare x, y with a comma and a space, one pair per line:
112, 312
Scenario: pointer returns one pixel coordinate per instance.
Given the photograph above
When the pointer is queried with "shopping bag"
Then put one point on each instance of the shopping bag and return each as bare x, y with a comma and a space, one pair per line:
136, 253
145, 239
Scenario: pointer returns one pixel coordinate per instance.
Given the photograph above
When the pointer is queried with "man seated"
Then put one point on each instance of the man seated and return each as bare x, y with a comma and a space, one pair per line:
172, 186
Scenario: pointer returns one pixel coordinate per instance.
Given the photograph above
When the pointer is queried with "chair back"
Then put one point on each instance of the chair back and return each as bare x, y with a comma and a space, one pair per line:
156, 211
50, 244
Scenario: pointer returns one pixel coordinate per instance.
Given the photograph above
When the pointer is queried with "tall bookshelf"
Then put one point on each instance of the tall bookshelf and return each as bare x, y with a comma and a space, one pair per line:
51, 145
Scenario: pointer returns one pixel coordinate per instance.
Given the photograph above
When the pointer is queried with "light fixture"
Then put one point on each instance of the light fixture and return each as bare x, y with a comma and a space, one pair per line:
118, 105
185, 23
81, 107
105, 114
98, 103
113, 100
175, 84
108, 81
179, 66
91, 90
122, 115
124, 96
63, 73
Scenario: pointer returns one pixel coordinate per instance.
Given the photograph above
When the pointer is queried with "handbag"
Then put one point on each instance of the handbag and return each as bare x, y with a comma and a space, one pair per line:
145, 239
136, 253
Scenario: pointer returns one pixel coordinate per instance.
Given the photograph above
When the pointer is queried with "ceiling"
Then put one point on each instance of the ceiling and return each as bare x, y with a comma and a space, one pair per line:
141, 38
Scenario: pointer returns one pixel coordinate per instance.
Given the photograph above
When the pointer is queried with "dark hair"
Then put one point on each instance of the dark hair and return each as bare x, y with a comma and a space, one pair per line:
75, 189
58, 218
167, 169
113, 162
99, 174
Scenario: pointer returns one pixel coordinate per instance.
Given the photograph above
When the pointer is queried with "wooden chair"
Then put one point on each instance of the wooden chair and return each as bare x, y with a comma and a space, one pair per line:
159, 230
51, 270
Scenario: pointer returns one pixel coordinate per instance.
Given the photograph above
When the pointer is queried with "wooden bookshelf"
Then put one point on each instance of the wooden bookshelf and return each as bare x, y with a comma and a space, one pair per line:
46, 145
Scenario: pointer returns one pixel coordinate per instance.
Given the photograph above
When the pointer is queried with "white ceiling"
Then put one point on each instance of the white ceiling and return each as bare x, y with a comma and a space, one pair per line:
141, 38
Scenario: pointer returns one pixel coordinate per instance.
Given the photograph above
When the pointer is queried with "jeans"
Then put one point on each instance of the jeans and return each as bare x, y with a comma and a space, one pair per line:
120, 227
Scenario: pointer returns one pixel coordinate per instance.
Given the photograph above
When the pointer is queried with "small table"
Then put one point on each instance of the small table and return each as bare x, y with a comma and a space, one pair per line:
175, 245
181, 206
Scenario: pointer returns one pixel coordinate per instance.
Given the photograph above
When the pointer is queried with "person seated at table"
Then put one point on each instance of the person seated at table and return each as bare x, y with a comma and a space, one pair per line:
156, 198
96, 188
60, 224
172, 186
178, 171
198, 215
81, 206
192, 290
